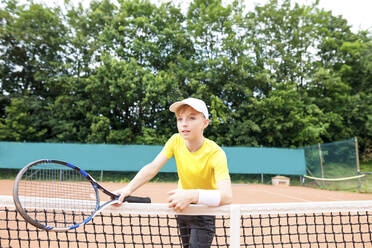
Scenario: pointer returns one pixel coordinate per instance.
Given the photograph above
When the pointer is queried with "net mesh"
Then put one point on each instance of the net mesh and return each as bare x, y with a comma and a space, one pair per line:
328, 224
105, 230
308, 230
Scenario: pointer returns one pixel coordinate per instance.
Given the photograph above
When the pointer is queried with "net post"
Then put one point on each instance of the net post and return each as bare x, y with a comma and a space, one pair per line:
234, 226
321, 161
357, 161
357, 154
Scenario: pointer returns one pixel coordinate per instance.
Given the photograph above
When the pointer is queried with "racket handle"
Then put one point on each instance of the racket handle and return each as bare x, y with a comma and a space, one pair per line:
137, 199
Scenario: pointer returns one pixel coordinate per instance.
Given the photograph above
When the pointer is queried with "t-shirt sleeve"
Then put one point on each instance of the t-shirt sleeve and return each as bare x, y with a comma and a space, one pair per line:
219, 163
168, 149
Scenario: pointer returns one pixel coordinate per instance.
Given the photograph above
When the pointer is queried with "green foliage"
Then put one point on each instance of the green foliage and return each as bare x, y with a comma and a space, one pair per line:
366, 166
23, 121
33, 40
283, 74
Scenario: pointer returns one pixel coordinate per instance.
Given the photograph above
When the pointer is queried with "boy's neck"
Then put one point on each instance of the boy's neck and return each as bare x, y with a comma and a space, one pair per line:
194, 145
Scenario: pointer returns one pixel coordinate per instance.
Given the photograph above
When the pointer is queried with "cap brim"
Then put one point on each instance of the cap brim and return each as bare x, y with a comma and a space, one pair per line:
175, 106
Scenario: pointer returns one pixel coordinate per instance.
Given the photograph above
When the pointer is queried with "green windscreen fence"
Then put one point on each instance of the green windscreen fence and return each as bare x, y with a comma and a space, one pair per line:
334, 166
104, 157
87, 156
332, 160
248, 160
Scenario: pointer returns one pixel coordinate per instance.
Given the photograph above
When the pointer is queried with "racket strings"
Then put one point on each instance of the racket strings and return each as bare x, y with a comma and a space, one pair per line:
57, 218
52, 186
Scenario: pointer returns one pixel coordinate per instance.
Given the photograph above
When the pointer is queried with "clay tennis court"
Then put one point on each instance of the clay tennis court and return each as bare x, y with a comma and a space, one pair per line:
242, 193
109, 230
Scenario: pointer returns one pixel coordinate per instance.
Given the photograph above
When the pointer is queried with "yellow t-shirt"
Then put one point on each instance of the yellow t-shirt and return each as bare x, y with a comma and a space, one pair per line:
200, 169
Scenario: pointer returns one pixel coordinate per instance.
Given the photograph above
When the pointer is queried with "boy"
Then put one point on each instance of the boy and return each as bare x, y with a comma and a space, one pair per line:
202, 171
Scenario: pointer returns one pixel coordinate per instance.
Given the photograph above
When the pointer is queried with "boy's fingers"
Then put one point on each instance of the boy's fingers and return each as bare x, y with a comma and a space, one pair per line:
172, 192
171, 204
121, 197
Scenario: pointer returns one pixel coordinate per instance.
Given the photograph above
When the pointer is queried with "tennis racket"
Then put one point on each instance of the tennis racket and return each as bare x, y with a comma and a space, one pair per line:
59, 196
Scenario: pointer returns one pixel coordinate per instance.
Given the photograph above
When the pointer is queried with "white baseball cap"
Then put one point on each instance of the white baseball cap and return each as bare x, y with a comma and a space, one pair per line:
196, 104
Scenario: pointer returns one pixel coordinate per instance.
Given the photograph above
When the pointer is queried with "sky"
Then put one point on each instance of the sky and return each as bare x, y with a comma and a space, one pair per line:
357, 12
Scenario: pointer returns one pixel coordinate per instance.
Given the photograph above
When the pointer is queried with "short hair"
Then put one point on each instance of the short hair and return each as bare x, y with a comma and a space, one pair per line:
182, 109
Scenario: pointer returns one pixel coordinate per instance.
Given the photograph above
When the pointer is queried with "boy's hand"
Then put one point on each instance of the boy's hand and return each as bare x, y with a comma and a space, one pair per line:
123, 192
180, 199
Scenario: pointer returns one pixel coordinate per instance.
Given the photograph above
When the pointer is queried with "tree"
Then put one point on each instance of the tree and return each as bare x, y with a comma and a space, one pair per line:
283, 74
23, 122
32, 39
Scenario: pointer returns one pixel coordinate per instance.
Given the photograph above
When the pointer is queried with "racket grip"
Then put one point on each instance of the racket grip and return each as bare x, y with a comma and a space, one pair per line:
137, 199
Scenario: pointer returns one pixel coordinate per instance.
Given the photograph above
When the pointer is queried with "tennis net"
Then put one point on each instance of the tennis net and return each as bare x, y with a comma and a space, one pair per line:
311, 224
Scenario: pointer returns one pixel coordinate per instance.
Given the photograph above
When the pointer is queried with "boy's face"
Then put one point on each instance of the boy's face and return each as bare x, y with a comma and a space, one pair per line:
191, 123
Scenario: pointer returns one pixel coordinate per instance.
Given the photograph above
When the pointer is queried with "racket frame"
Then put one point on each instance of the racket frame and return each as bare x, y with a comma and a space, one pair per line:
96, 186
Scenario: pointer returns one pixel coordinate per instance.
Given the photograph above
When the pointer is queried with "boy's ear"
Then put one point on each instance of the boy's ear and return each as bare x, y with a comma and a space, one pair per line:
206, 123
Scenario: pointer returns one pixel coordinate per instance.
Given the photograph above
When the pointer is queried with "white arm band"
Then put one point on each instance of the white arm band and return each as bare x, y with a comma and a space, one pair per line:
209, 197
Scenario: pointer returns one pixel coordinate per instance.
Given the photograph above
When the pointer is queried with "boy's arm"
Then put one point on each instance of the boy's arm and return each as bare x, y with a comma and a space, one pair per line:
143, 176
179, 199
224, 187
